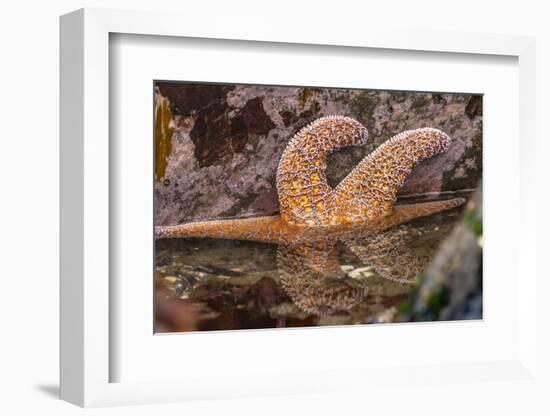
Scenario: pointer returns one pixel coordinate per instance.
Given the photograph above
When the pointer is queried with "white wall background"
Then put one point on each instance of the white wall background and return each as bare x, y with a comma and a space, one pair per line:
29, 57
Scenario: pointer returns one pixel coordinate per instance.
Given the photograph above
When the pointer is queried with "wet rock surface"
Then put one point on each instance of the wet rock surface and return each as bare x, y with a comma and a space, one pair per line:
452, 287
227, 141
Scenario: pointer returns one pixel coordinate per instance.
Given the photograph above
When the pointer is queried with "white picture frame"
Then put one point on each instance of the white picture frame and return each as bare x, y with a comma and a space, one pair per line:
86, 354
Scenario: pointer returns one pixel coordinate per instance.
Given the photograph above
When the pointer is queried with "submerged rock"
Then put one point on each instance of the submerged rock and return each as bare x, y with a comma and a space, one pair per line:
452, 286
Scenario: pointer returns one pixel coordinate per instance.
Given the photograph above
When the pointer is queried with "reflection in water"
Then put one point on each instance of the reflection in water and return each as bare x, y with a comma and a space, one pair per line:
353, 278
313, 277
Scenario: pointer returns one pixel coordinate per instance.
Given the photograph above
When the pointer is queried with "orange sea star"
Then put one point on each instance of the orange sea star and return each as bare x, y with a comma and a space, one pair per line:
310, 210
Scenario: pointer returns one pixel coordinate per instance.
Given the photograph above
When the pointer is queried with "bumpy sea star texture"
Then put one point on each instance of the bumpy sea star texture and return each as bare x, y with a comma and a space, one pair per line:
228, 140
311, 210
304, 194
369, 191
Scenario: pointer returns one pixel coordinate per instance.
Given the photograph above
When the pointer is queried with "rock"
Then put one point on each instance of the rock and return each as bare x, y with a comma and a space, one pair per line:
227, 141
172, 314
452, 286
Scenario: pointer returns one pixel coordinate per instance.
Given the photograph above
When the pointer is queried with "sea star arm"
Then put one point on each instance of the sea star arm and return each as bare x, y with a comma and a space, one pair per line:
371, 188
301, 182
407, 212
265, 229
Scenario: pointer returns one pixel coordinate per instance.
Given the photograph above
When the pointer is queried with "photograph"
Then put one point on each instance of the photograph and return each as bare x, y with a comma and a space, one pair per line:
303, 206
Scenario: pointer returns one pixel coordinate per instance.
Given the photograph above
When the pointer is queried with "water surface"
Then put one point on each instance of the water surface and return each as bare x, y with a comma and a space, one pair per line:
208, 284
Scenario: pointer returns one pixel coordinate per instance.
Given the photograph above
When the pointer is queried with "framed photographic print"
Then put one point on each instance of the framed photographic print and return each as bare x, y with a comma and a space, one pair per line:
277, 213
262, 223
